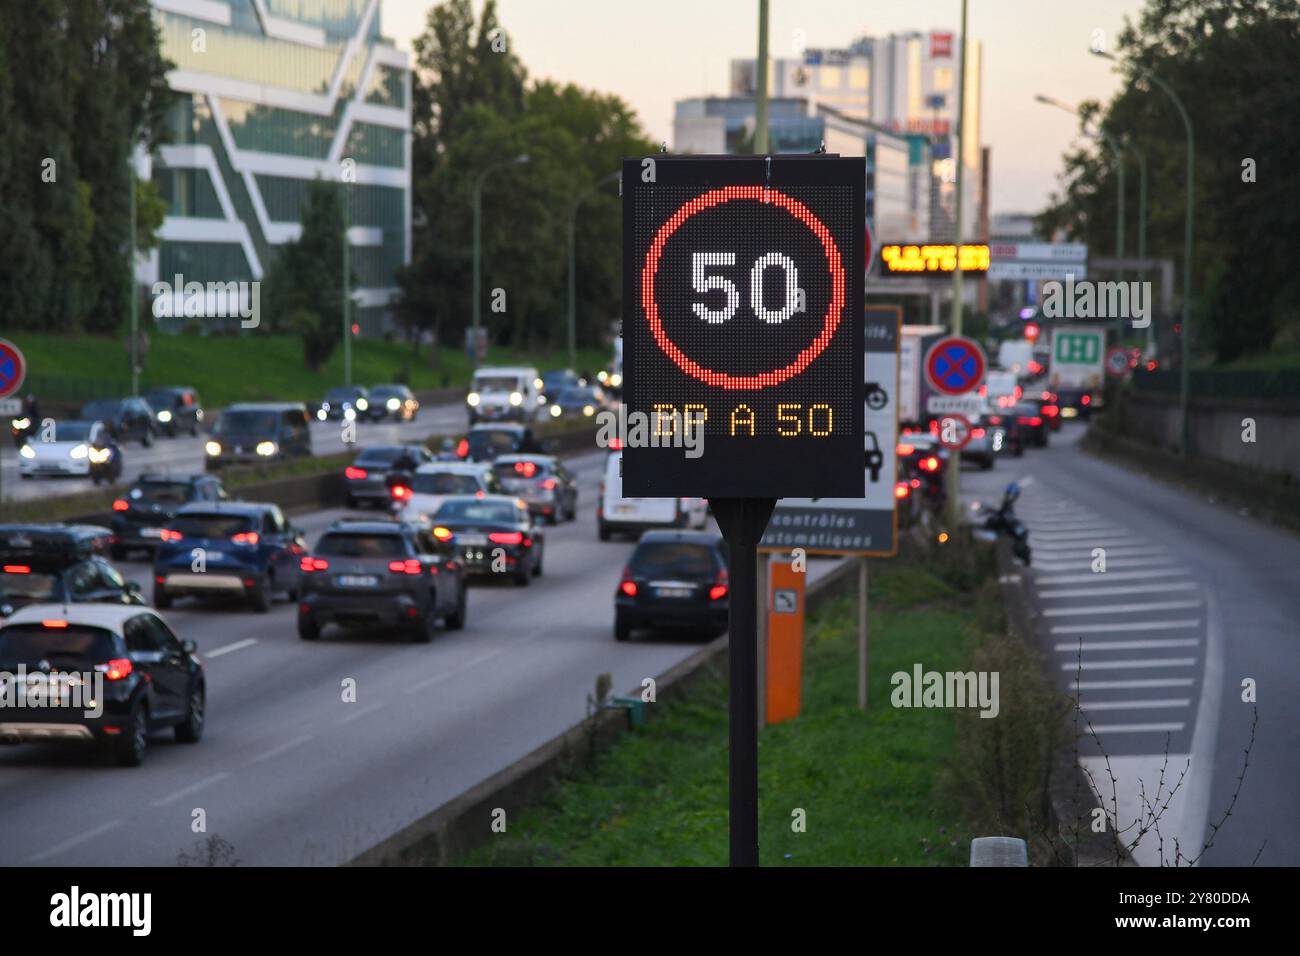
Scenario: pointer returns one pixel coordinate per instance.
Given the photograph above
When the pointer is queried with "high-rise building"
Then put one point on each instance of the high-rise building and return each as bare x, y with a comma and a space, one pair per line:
269, 96
725, 124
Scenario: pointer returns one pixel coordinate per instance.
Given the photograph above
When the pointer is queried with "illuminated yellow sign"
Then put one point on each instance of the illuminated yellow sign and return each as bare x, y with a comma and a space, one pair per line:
934, 258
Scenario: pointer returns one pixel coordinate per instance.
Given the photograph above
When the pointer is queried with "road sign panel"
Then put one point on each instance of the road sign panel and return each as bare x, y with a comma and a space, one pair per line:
954, 431
11, 406
1117, 361
970, 405
955, 365
13, 368
742, 284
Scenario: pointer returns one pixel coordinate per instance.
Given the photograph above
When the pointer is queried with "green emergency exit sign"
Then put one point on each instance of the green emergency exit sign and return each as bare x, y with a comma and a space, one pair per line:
1081, 348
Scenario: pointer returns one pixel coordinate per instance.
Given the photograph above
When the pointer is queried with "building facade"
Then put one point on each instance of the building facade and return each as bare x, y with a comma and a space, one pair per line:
269, 96
725, 124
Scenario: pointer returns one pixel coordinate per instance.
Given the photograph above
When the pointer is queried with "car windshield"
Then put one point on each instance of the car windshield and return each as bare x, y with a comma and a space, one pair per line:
353, 545
160, 399
342, 394
387, 391
498, 512
162, 492
212, 525
246, 423
578, 395
72, 431
444, 483
380, 457
676, 558
22, 581
30, 644
496, 383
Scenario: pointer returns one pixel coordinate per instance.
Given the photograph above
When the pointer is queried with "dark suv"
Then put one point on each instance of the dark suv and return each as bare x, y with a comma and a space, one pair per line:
486, 442
389, 573
42, 564
674, 579
140, 515
259, 432
127, 419
176, 409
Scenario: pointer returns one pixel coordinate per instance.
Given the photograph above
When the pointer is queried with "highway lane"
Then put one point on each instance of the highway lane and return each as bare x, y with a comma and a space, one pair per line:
1195, 600
185, 455
290, 774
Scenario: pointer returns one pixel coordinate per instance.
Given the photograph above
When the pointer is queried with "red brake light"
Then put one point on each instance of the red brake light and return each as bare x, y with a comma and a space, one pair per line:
901, 490
1051, 411
462, 448
929, 464
506, 537
409, 566
442, 534
628, 586
525, 468
995, 419
169, 535
309, 563
54, 623
717, 592
246, 537
977, 433
1087, 399
904, 450
17, 569
616, 444
549, 484
915, 483
1035, 421
116, 669
400, 492
120, 505
356, 474
983, 390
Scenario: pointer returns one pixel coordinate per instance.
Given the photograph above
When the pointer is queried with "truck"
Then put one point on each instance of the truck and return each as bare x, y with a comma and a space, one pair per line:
1076, 370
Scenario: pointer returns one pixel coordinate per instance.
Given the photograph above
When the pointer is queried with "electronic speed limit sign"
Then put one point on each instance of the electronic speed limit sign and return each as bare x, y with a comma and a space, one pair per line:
742, 290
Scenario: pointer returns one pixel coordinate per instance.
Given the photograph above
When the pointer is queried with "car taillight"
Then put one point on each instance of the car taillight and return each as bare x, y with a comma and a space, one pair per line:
120, 505
246, 537
1087, 399
1024, 420
506, 537
313, 564
409, 566
116, 669
59, 622
355, 474
1035, 421
1051, 411
549, 484
462, 448
904, 450
169, 535
901, 490
627, 585
914, 483
400, 492
995, 419
977, 433
719, 589
929, 464
525, 468
442, 534
17, 569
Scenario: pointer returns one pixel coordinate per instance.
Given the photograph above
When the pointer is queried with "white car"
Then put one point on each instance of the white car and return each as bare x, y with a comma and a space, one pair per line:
81, 448
435, 482
505, 395
614, 513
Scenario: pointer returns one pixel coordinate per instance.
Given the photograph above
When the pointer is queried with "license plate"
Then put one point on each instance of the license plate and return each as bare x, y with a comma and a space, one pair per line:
472, 538
214, 555
357, 580
151, 532
674, 592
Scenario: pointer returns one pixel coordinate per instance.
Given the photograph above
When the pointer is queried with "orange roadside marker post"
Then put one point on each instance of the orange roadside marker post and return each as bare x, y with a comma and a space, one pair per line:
785, 614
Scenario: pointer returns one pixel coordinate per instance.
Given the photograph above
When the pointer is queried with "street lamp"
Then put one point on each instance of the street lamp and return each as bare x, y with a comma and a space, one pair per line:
1184, 376
573, 227
478, 242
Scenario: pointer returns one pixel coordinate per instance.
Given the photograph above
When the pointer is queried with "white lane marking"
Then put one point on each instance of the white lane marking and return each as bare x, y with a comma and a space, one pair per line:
276, 751
1135, 665
439, 678
357, 714
1123, 589
1112, 564
229, 648
1136, 728
75, 841
1079, 550
192, 788
1133, 684
1072, 537
1137, 704
1121, 608
1125, 626
1093, 646
1098, 577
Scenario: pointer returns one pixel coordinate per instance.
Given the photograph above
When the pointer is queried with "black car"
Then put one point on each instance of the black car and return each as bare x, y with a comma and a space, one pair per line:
50, 563
351, 402
366, 479
557, 380
549, 488
675, 579
486, 442
578, 402
1013, 433
176, 409
258, 432
1032, 422
152, 501
494, 534
376, 572
118, 673
1077, 402
392, 401
127, 419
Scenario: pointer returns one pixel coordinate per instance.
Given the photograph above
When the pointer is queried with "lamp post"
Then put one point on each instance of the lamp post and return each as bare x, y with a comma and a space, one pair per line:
347, 286
573, 264
1184, 376
478, 243
952, 479
760, 84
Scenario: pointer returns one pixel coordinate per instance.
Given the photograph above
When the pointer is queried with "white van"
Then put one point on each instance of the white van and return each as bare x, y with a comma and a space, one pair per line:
614, 513
504, 395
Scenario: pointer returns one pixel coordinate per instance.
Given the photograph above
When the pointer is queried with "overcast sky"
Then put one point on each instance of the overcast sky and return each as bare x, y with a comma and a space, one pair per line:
654, 52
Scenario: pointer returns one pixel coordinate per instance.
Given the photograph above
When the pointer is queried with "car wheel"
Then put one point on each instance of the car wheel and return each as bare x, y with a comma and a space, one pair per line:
161, 599
261, 596
622, 630
308, 630
537, 564
190, 730
117, 552
130, 746
455, 621
523, 575
424, 631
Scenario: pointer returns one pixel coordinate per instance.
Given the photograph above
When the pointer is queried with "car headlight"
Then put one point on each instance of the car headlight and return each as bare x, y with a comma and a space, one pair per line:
27, 452
555, 411
541, 399
21, 422
362, 404
616, 380
321, 414
78, 452
516, 398
164, 416
393, 404
472, 399
267, 448
349, 413
588, 410
538, 384
213, 448
100, 456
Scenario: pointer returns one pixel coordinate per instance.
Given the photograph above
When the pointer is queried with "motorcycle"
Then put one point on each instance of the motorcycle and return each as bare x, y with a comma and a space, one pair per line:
22, 428
1003, 520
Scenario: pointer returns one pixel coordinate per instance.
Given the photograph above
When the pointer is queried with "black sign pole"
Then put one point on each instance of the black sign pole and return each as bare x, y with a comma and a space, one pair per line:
742, 521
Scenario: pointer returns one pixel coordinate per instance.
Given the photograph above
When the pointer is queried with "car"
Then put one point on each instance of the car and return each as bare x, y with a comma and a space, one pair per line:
258, 432
616, 514
1032, 421
556, 380
504, 394
486, 442
127, 419
77, 447
921, 463
674, 579
1002, 422
366, 479
386, 573
176, 409
349, 402
543, 482
153, 500
1047, 401
985, 442
494, 534
236, 550
434, 483
1076, 403
394, 401
579, 402
142, 676
56, 563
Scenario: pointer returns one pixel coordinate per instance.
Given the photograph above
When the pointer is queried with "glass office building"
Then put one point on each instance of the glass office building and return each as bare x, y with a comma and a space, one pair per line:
270, 95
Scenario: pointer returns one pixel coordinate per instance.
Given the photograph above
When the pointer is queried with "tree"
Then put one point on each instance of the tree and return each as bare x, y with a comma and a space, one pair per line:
304, 291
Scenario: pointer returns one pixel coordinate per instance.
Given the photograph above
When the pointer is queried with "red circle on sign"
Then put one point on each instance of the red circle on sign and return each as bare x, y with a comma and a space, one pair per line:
954, 365
713, 198
13, 368
963, 429
1117, 362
